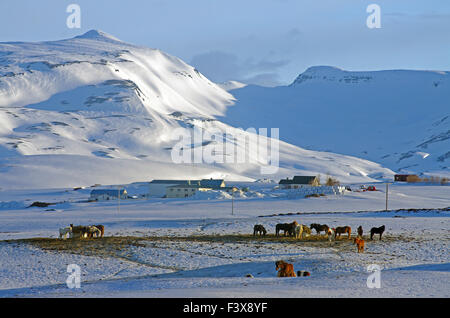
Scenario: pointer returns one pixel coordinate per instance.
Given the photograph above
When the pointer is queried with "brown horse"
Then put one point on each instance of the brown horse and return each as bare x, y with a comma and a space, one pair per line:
285, 269
360, 231
286, 227
343, 230
360, 244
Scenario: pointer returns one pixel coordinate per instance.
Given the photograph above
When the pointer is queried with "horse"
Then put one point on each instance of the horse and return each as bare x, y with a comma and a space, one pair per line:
81, 231
377, 230
301, 229
101, 228
286, 227
64, 231
342, 230
331, 234
78, 231
360, 231
319, 228
92, 230
285, 269
259, 229
360, 244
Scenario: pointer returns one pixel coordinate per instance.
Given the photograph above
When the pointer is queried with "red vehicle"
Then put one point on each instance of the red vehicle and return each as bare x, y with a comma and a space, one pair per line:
371, 188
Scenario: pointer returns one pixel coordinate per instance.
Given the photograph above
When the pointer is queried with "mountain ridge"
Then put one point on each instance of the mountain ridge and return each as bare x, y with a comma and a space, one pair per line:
99, 106
398, 118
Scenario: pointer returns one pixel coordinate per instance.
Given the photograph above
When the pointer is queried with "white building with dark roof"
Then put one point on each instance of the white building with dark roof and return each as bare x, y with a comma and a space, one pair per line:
108, 194
158, 188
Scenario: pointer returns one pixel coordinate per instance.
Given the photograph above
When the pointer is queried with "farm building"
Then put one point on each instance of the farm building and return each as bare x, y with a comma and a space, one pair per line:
184, 190
108, 194
215, 184
158, 188
299, 181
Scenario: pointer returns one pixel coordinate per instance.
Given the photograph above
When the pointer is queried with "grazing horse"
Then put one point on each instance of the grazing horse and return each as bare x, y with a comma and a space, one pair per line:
286, 227
259, 229
319, 228
81, 231
377, 230
360, 244
342, 230
101, 228
331, 234
64, 231
301, 229
92, 230
285, 269
78, 231
360, 231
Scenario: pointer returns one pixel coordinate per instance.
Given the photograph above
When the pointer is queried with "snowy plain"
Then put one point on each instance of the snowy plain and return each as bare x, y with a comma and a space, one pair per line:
196, 248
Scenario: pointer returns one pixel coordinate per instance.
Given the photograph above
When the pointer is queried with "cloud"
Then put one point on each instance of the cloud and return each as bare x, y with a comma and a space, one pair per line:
221, 66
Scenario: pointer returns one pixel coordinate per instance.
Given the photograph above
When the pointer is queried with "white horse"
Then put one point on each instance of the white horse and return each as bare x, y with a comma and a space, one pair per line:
301, 231
64, 231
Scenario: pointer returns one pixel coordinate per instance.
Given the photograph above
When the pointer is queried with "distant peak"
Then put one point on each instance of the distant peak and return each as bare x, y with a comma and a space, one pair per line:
320, 73
323, 69
97, 35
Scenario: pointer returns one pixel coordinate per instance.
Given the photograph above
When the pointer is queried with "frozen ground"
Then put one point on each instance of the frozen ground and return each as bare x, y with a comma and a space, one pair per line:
196, 248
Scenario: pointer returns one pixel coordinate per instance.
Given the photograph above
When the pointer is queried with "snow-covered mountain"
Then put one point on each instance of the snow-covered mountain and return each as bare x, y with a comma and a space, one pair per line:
398, 118
93, 109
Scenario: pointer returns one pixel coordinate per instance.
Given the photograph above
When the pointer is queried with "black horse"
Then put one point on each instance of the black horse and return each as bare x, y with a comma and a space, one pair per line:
286, 227
319, 227
259, 229
377, 230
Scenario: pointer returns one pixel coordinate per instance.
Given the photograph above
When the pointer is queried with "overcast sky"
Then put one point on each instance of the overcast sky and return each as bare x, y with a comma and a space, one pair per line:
266, 42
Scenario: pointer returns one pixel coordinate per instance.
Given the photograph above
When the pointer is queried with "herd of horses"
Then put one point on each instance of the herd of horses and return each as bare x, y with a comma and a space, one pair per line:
285, 269
82, 231
300, 230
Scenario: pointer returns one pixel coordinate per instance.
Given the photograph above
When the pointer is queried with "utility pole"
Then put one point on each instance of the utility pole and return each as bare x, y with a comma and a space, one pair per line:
232, 201
118, 202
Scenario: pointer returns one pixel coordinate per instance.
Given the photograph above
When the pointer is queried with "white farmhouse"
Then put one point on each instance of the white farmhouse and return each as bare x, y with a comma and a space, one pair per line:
158, 188
108, 194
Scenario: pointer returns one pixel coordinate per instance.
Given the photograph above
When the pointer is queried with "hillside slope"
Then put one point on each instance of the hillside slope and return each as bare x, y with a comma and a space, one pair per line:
94, 109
